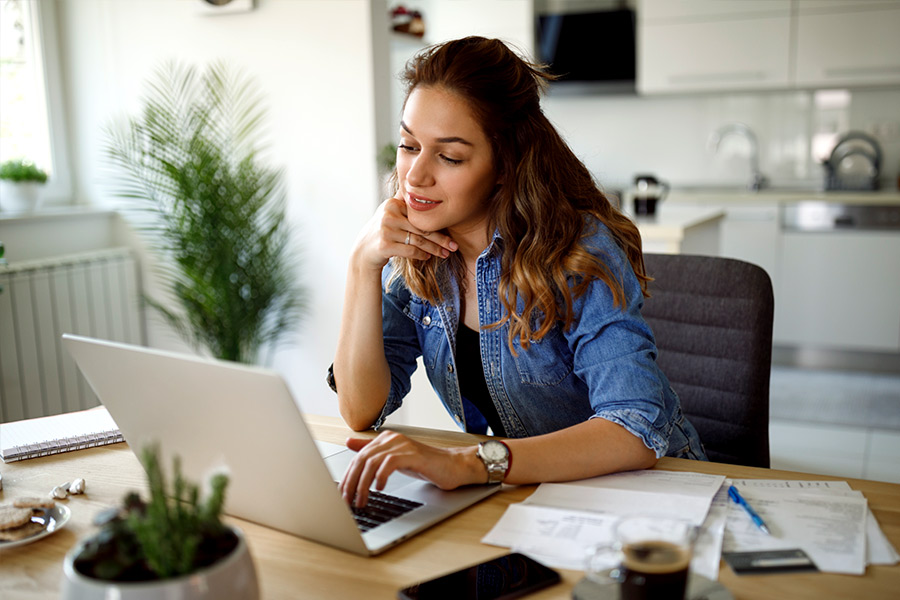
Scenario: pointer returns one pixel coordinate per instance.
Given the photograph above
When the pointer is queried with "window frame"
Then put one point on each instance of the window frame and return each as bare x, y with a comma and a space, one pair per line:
44, 32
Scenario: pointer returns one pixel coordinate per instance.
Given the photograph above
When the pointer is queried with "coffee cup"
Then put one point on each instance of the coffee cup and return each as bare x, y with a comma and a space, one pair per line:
649, 557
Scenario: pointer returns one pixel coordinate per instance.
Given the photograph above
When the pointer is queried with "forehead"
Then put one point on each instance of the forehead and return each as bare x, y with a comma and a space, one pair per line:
435, 112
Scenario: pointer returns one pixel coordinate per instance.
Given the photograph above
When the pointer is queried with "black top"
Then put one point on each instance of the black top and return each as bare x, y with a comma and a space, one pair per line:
470, 373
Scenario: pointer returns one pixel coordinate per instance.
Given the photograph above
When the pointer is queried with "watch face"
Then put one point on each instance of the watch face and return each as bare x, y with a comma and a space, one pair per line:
494, 451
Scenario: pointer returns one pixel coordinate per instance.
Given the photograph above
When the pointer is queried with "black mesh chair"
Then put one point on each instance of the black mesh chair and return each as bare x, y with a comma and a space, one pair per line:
712, 318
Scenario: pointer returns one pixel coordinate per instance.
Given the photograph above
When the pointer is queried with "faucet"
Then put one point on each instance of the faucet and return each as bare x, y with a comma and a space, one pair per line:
757, 179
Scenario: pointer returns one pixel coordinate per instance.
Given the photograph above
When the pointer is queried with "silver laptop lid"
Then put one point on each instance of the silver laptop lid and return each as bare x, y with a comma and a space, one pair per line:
223, 416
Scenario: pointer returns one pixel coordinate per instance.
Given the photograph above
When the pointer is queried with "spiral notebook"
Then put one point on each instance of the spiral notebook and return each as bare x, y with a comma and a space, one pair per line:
31, 438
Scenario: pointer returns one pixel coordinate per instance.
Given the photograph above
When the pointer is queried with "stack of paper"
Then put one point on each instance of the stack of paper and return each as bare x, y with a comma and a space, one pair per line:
559, 522
826, 519
829, 521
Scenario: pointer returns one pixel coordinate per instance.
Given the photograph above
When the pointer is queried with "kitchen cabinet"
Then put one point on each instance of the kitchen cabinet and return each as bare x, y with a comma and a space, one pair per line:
707, 45
752, 234
839, 46
839, 290
668, 10
728, 51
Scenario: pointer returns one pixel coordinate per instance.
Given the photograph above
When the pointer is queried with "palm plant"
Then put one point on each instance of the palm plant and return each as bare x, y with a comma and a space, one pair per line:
190, 163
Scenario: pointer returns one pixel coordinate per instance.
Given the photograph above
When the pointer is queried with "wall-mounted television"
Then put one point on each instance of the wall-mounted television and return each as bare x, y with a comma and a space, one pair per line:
589, 51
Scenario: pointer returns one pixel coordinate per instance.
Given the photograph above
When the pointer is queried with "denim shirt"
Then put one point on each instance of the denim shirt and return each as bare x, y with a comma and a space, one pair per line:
604, 366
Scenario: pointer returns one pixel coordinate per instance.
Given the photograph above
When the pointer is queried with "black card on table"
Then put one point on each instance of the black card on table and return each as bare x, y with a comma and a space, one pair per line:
769, 561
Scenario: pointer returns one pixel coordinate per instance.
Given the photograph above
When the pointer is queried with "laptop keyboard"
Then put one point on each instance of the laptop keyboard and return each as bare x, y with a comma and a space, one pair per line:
380, 509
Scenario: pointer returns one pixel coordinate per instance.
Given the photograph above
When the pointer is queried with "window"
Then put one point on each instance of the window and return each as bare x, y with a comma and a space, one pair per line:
31, 123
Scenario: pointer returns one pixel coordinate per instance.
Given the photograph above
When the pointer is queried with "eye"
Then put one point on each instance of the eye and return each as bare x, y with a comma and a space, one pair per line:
406, 148
450, 161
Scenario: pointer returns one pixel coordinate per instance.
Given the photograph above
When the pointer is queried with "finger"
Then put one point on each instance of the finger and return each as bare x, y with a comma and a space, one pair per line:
350, 480
357, 444
350, 483
359, 475
427, 244
441, 239
388, 467
366, 478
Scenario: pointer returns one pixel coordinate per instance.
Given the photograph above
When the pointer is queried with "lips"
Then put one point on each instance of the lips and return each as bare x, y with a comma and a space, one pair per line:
421, 203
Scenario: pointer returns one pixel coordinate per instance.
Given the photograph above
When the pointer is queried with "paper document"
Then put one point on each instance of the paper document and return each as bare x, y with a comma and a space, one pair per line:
557, 537
665, 493
830, 528
879, 550
559, 522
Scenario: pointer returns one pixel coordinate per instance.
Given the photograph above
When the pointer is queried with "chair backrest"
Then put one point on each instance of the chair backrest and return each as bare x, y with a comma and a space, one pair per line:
712, 318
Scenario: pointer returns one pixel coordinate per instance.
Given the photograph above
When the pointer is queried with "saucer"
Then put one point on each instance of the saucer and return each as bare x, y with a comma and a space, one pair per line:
699, 588
54, 518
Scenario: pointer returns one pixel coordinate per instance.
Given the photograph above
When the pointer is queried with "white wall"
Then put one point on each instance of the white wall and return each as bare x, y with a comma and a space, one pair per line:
313, 60
620, 136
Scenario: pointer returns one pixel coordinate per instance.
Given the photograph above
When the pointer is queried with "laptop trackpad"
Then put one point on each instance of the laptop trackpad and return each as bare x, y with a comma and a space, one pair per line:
338, 458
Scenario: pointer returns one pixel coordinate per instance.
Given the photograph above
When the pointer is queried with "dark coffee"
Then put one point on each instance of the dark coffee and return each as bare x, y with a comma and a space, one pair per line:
654, 570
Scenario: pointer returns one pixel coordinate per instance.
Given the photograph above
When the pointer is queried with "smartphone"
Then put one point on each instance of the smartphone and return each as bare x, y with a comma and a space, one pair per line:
502, 578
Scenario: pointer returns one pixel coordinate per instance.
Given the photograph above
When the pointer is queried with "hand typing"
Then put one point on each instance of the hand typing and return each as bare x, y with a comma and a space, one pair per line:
376, 459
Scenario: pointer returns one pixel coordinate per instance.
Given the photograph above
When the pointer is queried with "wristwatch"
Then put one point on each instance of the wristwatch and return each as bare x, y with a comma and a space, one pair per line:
496, 458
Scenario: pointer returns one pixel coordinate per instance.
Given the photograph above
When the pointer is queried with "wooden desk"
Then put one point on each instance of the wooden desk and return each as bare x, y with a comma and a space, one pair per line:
290, 567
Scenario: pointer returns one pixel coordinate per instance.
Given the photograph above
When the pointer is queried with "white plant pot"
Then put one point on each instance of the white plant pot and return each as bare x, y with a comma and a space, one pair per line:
232, 577
20, 196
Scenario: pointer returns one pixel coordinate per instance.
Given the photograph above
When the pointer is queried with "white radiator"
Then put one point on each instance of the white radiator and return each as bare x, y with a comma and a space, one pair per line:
96, 294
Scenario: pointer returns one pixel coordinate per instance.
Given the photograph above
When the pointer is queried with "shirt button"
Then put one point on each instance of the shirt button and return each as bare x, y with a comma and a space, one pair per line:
426, 320
449, 368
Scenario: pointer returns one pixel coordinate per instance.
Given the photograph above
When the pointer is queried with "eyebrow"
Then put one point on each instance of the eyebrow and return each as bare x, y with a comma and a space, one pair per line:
443, 140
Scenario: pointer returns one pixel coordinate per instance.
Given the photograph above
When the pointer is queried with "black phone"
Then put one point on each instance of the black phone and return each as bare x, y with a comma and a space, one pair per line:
502, 578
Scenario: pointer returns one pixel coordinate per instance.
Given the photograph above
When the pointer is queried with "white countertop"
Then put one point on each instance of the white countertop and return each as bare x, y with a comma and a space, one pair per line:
671, 220
730, 196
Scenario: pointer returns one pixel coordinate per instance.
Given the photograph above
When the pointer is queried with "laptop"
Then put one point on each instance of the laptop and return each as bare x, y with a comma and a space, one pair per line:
223, 416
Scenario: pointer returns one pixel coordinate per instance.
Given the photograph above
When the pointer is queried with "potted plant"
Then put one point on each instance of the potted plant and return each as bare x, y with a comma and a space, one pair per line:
171, 546
21, 181
210, 207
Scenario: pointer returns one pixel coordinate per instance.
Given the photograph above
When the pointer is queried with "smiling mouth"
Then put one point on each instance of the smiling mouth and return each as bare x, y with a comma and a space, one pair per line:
417, 200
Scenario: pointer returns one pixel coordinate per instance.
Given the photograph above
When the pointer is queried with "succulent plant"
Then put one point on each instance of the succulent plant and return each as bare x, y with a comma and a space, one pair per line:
173, 533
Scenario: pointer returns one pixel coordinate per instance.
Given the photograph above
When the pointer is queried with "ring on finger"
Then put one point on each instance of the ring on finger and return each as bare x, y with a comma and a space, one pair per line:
408, 233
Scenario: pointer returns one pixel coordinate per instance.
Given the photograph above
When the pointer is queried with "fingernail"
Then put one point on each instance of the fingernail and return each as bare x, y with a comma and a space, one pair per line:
445, 253
454, 246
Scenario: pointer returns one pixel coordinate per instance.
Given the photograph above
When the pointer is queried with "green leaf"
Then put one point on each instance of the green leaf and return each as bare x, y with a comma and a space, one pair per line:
189, 167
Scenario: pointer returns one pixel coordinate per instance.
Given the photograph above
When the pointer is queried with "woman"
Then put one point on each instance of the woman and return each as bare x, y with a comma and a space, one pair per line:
501, 264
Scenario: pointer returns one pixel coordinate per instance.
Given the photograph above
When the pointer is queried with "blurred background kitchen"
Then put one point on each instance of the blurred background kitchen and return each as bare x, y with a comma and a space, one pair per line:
770, 129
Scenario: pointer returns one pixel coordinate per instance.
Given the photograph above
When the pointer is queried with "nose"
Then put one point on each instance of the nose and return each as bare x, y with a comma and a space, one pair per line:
419, 174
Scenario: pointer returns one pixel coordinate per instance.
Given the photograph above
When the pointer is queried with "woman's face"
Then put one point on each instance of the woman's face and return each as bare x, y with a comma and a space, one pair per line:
444, 164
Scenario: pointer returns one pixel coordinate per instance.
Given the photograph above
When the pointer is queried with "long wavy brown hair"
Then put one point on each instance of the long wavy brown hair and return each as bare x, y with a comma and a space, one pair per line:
546, 196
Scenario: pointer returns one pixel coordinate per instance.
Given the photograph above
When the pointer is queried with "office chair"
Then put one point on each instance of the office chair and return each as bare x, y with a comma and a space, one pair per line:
712, 318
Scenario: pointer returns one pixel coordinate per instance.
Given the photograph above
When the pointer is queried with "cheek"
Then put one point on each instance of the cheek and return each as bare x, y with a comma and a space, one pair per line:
482, 183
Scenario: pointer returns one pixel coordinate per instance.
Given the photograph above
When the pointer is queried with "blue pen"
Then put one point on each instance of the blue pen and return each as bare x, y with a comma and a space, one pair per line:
738, 499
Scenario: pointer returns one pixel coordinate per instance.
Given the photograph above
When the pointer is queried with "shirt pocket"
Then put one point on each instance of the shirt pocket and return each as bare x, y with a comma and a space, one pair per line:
428, 327
547, 361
